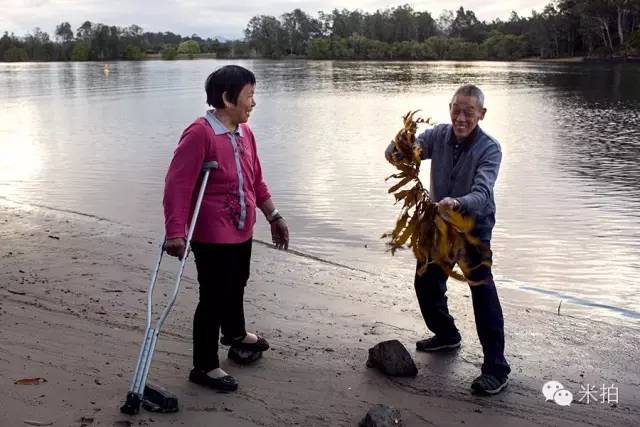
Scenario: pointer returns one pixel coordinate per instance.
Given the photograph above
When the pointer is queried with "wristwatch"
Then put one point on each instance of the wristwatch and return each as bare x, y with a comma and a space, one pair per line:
274, 216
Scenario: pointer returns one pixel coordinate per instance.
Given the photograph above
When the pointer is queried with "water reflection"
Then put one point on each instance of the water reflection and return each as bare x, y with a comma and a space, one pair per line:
599, 148
20, 159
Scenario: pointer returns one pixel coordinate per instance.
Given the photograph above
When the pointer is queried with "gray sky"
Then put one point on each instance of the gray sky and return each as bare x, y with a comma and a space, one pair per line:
226, 18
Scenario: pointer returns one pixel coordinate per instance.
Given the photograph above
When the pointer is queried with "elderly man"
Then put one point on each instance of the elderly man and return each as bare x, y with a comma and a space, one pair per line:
464, 168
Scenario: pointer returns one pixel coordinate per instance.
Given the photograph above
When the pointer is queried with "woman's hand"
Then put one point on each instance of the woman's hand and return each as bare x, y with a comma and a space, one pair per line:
280, 234
176, 247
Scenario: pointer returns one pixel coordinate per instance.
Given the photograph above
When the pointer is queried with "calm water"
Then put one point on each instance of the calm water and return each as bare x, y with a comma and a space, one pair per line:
568, 194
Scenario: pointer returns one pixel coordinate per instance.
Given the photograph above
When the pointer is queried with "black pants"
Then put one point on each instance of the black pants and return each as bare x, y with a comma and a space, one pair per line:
431, 290
223, 271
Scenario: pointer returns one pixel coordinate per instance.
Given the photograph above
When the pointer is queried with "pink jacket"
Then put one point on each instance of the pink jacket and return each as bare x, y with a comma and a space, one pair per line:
228, 210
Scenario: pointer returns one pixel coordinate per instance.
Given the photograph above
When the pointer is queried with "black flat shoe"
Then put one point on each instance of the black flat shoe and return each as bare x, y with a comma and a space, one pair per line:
226, 383
260, 345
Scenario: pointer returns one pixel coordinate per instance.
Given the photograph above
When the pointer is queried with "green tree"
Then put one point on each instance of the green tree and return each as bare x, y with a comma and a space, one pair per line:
466, 26
266, 35
39, 47
64, 36
407, 50
299, 28
444, 22
133, 53
106, 42
222, 50
345, 23
633, 42
439, 46
459, 49
16, 54
505, 46
64, 33
240, 49
169, 53
85, 31
80, 52
425, 26
189, 48
403, 24
319, 48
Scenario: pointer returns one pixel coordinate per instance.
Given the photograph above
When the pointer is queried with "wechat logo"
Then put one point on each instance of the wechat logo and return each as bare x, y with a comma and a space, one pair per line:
553, 390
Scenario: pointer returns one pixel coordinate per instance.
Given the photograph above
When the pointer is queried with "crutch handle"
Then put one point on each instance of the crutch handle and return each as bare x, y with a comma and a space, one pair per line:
209, 165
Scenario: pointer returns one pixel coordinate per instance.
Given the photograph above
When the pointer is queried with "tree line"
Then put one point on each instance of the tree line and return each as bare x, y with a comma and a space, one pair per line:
98, 42
563, 28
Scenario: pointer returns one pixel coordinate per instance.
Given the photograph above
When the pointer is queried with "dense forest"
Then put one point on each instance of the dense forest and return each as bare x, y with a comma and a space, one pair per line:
565, 28
98, 42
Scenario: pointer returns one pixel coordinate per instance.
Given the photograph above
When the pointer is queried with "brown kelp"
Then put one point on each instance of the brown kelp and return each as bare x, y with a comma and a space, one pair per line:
433, 235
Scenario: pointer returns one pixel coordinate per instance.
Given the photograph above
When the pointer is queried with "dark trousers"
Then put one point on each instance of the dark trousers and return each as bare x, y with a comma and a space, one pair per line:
431, 289
223, 271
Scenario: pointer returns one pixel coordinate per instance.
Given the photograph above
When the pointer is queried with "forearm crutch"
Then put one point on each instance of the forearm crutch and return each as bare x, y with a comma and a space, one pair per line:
156, 398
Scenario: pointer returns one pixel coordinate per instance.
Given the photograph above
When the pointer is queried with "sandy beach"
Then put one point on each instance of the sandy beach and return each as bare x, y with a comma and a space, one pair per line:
72, 307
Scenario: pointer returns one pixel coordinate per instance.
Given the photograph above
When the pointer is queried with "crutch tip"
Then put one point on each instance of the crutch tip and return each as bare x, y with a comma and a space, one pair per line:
132, 404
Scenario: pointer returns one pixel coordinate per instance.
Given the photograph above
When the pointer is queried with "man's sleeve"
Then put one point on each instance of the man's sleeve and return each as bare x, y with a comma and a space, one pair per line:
483, 181
181, 180
425, 140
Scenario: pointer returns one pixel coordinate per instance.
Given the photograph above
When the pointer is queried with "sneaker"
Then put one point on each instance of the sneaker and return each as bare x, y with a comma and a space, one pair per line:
489, 384
436, 343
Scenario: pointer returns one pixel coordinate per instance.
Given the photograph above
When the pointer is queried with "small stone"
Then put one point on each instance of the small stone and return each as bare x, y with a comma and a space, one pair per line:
392, 358
381, 416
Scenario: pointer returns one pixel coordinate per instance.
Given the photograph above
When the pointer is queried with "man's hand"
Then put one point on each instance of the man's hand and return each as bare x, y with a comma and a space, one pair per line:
280, 234
176, 247
448, 204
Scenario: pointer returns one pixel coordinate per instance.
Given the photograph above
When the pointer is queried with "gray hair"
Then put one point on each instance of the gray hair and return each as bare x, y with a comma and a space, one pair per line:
470, 90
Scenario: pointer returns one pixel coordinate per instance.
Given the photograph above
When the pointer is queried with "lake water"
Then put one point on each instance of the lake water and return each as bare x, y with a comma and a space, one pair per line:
568, 194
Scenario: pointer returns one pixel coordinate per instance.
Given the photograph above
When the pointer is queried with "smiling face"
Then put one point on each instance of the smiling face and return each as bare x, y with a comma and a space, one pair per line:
241, 110
563, 397
465, 112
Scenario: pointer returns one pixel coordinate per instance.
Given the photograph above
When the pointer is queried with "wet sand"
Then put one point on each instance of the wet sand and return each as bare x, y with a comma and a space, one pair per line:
72, 307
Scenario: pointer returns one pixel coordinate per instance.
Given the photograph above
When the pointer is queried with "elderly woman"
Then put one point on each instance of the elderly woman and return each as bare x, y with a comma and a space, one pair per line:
223, 233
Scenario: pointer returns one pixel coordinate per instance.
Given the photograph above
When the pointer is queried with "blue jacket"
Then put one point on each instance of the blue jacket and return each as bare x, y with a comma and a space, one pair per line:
473, 177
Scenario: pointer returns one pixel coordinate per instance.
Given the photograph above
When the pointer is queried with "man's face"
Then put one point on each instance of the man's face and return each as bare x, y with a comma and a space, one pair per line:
465, 114
241, 110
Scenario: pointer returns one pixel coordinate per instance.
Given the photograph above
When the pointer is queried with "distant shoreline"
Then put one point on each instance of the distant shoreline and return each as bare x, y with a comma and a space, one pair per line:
586, 60
184, 57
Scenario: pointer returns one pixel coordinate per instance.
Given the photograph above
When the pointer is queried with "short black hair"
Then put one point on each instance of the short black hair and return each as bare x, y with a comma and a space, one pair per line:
230, 79
470, 90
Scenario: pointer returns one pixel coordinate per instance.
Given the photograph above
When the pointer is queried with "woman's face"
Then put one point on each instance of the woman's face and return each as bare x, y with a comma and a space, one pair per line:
241, 110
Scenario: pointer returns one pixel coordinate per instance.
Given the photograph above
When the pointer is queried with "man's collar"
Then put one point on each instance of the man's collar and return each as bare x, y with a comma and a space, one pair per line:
218, 127
468, 140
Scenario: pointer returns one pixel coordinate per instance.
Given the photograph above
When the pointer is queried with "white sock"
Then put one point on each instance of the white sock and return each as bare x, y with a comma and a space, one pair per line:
217, 373
250, 338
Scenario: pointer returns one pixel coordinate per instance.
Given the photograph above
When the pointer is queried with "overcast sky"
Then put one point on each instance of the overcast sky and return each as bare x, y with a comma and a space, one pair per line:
226, 18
